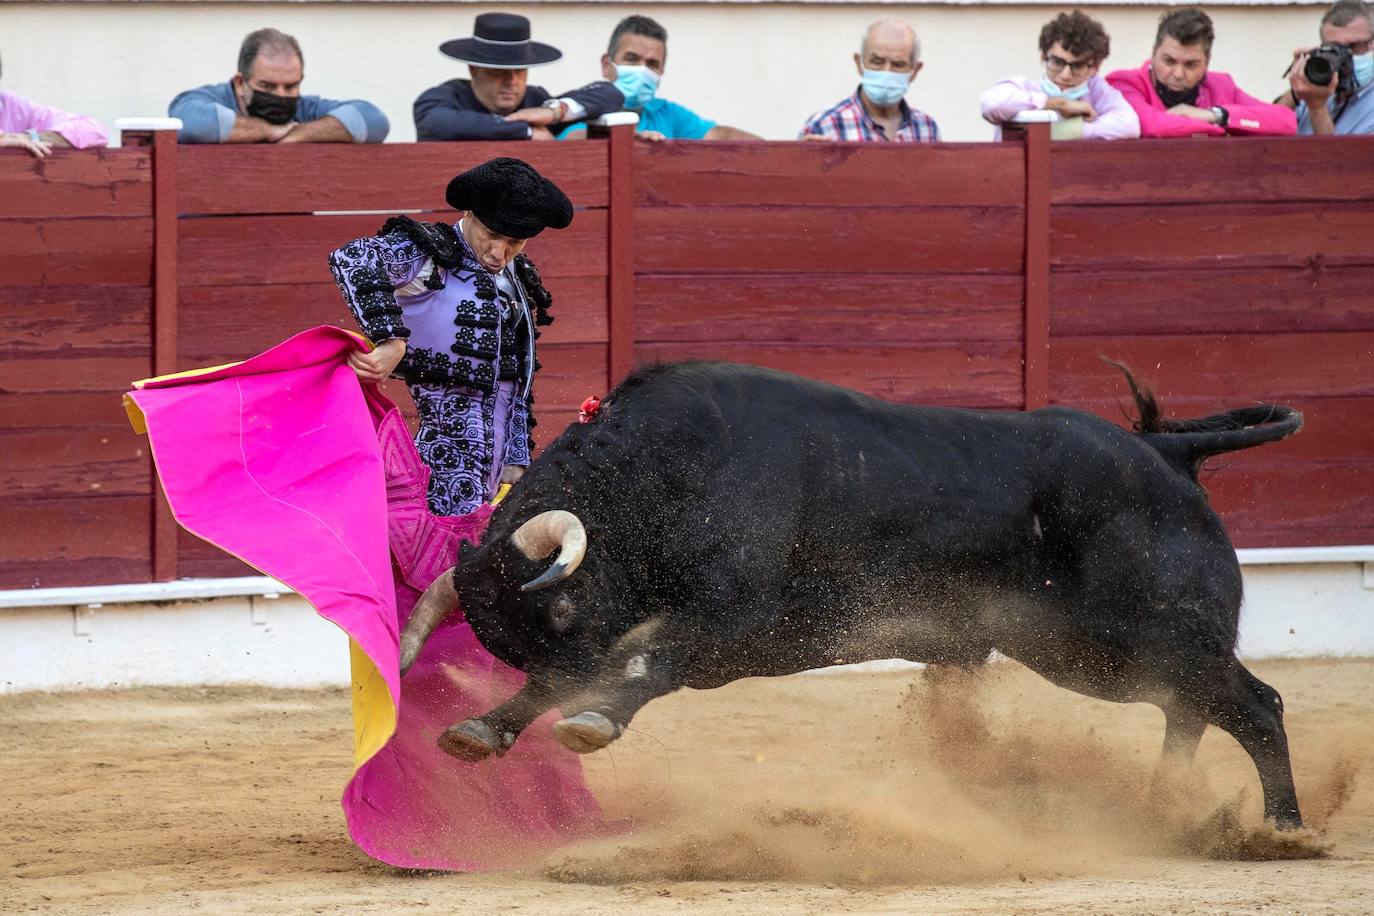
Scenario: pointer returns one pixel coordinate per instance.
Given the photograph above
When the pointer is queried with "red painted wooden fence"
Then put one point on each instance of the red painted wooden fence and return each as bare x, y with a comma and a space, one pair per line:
988, 275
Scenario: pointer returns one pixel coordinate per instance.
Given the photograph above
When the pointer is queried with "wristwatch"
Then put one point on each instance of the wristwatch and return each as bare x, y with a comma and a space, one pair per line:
1221, 114
556, 106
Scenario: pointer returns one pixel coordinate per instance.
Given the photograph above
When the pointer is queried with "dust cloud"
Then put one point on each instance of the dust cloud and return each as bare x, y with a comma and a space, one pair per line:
967, 777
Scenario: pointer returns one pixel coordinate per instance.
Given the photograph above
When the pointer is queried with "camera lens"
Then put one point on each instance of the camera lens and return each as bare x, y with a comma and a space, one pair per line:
1320, 67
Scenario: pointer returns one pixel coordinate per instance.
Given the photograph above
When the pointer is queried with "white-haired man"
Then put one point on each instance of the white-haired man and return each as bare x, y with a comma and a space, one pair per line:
888, 60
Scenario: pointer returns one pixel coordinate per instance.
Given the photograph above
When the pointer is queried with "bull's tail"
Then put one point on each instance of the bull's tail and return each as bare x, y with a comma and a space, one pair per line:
1192, 441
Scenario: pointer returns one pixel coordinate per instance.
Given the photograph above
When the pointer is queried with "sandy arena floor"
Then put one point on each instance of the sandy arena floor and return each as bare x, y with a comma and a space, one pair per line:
840, 792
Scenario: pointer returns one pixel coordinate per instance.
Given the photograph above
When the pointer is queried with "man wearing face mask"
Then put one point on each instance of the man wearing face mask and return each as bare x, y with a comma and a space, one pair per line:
497, 103
262, 103
1072, 47
1175, 95
1333, 109
888, 60
634, 62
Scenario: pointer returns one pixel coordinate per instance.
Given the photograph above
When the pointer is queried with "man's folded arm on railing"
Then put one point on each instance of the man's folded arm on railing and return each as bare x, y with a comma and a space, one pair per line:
53, 127
210, 114
451, 111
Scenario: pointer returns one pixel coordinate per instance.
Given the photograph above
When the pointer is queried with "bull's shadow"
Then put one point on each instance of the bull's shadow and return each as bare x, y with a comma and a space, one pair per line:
718, 521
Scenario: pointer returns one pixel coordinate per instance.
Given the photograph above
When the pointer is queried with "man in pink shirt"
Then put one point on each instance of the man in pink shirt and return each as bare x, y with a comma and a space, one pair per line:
38, 128
1176, 96
1072, 47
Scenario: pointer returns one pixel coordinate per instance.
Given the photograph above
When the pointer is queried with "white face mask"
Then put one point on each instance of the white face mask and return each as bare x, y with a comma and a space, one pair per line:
1052, 89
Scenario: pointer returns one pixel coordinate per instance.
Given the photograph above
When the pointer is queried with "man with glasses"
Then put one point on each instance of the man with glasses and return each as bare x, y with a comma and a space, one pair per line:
1072, 47
1335, 108
1175, 95
888, 60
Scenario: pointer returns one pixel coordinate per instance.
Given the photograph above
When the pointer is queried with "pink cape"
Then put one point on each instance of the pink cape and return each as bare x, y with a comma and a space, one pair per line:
286, 462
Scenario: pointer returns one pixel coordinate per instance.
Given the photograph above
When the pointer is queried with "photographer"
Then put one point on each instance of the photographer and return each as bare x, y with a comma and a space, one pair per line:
1344, 104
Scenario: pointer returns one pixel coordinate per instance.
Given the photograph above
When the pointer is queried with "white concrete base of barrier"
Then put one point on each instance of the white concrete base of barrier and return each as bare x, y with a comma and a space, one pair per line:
1301, 602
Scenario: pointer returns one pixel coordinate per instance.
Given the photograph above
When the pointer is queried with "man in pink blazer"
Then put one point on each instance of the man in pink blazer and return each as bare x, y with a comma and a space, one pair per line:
1176, 96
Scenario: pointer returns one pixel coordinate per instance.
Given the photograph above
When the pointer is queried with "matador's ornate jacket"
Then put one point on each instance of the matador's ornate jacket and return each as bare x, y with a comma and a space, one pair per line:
470, 358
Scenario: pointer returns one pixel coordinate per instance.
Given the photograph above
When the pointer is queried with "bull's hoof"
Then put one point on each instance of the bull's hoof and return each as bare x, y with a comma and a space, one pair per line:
585, 732
471, 740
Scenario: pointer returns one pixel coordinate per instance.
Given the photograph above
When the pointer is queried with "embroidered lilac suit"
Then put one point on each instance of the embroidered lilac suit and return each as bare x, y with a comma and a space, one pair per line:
469, 361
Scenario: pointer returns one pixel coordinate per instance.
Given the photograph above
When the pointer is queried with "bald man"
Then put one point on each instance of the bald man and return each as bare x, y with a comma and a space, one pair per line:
888, 60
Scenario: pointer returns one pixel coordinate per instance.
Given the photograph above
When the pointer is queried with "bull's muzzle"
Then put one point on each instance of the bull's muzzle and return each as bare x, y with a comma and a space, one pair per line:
538, 537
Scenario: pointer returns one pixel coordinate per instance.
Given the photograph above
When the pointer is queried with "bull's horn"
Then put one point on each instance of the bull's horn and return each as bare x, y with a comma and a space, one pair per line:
541, 534
433, 606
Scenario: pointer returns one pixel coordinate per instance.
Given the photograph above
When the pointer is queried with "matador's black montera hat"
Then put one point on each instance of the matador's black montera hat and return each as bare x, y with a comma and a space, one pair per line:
508, 196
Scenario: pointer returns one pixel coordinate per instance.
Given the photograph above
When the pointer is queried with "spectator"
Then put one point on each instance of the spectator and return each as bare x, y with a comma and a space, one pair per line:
1332, 109
1072, 48
1176, 96
497, 104
262, 103
634, 62
888, 60
38, 128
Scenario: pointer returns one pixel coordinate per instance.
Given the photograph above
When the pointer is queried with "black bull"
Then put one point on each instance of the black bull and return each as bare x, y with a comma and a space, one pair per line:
719, 521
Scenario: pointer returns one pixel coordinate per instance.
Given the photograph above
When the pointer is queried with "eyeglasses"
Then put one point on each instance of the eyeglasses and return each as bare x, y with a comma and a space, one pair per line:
1054, 63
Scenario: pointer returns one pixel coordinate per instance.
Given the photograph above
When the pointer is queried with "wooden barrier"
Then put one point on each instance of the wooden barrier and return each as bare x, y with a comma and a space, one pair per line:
981, 275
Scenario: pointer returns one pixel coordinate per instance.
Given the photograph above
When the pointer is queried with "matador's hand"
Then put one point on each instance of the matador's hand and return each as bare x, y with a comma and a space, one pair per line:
376, 365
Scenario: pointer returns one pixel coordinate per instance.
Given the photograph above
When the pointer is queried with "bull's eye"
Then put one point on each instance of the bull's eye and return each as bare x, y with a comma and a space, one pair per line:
561, 611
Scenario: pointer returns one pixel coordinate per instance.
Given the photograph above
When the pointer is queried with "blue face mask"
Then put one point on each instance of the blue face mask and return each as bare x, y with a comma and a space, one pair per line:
1364, 68
637, 83
884, 87
1073, 92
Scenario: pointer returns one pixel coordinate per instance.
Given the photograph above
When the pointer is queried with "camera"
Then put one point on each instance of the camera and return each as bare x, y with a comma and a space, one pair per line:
1327, 60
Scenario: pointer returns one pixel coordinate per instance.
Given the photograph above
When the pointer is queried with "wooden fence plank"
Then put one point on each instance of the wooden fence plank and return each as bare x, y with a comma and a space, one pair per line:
1242, 369
823, 308
1295, 505
72, 462
1249, 301
74, 320
76, 183
1335, 432
103, 250
829, 240
395, 176
841, 174
46, 543
974, 374
1167, 238
1036, 323
1269, 169
224, 323
570, 372
72, 410
107, 374
271, 250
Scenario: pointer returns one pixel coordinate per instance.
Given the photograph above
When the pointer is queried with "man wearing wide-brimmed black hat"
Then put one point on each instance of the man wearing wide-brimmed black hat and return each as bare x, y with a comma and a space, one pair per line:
455, 311
497, 103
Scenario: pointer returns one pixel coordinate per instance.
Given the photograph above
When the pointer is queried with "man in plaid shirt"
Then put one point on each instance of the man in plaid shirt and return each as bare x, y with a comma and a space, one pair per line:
887, 62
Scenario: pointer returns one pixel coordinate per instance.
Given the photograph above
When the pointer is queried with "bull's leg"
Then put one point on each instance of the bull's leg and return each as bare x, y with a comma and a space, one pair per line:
494, 732
1252, 712
607, 710
1182, 733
